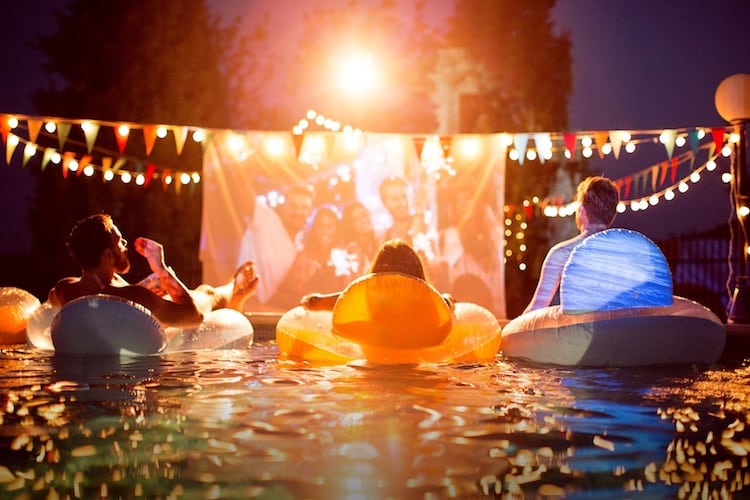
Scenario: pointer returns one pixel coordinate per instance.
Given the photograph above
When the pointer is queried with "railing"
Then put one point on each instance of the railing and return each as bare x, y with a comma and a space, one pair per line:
701, 268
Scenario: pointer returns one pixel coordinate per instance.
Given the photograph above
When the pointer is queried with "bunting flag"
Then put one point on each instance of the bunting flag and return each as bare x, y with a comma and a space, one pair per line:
10, 147
519, 142
63, 129
29, 150
419, 145
627, 186
668, 137
615, 139
122, 133
694, 141
4, 127
446, 143
33, 126
67, 157
106, 164
664, 166
118, 164
149, 137
600, 138
718, 136
543, 144
83, 162
46, 156
569, 138
166, 175
654, 177
297, 139
675, 163
180, 136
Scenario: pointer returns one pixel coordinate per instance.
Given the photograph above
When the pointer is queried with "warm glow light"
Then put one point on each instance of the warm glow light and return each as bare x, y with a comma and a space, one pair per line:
108, 175
274, 146
742, 211
710, 165
88, 170
606, 148
669, 195
726, 177
161, 132
621, 208
126, 177
73, 165
587, 152
653, 200
199, 135
586, 141
50, 127
531, 155
680, 141
184, 178
695, 177
55, 157
12, 122
123, 130
630, 147
195, 177
357, 73
140, 179
86, 127
683, 187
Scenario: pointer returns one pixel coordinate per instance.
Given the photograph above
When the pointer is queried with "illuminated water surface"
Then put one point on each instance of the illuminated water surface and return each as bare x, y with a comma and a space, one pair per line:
240, 423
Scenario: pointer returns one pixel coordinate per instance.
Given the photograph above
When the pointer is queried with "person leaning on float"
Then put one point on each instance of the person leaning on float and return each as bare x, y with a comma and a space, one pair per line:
597, 199
394, 256
101, 251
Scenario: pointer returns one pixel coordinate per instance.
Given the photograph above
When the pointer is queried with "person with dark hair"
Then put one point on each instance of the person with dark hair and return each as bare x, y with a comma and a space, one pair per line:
357, 235
405, 223
99, 248
273, 238
597, 199
394, 256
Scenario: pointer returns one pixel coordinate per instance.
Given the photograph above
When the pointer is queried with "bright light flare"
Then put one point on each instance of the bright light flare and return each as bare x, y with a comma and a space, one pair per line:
357, 73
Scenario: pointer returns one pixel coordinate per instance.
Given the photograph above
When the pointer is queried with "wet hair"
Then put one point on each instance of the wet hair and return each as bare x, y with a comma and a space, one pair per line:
600, 196
392, 181
89, 238
396, 256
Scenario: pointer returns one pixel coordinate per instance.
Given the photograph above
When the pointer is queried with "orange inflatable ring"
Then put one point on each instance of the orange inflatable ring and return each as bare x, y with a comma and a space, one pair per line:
16, 307
421, 329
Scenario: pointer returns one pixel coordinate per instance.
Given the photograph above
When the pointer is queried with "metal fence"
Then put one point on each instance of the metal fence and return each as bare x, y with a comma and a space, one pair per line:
701, 266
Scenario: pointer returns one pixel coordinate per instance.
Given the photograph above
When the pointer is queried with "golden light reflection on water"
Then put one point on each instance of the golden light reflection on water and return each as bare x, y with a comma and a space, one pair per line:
242, 424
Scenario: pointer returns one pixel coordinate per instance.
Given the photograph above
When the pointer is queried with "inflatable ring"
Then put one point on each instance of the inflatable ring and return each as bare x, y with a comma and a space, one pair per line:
306, 335
616, 309
16, 307
374, 309
105, 324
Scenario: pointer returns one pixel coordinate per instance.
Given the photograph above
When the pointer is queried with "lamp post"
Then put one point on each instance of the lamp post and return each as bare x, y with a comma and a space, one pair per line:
732, 101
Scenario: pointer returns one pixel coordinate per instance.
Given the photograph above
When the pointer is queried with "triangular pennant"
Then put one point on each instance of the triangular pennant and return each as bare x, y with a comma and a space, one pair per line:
419, 145
91, 131
46, 156
664, 166
718, 135
10, 147
122, 133
150, 170
543, 145
29, 150
694, 140
615, 139
106, 163
118, 164
83, 163
446, 142
63, 129
600, 139
68, 156
628, 180
33, 128
4, 127
570, 143
668, 137
149, 137
329, 140
654, 177
180, 135
519, 142
297, 139
673, 176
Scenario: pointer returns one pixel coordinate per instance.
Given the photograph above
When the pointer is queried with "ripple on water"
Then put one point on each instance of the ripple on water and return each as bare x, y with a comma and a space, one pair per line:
242, 424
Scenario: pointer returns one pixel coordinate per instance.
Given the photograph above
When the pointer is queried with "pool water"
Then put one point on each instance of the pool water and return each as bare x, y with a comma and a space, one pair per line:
243, 424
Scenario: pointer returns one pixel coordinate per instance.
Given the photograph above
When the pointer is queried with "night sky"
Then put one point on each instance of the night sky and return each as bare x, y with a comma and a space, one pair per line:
639, 64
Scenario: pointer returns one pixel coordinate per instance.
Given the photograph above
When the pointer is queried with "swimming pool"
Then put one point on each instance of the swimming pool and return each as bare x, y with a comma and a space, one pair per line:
241, 424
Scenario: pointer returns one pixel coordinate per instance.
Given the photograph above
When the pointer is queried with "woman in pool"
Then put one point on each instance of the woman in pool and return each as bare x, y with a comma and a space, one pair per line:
394, 256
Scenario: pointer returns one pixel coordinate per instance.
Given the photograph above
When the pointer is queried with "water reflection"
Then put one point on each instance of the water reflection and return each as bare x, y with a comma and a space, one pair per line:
242, 424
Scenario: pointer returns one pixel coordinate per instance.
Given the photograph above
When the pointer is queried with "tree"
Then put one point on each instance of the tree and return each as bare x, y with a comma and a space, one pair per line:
158, 62
523, 70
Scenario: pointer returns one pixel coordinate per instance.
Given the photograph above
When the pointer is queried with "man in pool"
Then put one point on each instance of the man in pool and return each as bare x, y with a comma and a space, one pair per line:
394, 256
99, 248
597, 199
